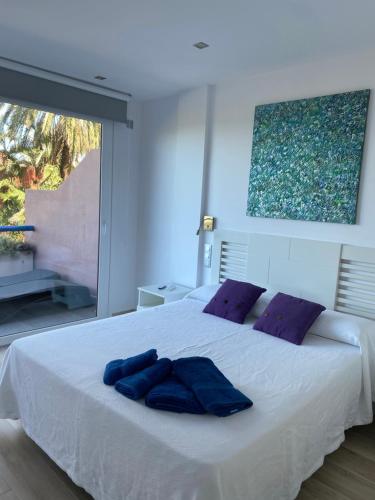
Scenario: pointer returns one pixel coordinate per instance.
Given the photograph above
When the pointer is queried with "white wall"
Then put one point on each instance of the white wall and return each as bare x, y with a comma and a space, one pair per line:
170, 195
175, 130
188, 185
233, 111
157, 164
124, 208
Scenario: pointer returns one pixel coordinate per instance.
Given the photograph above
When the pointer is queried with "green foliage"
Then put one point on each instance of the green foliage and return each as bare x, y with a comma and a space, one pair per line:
38, 150
18, 219
12, 200
8, 246
64, 140
51, 178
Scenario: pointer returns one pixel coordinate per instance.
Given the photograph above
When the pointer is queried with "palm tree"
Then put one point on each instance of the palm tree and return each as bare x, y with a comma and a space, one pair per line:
62, 140
38, 150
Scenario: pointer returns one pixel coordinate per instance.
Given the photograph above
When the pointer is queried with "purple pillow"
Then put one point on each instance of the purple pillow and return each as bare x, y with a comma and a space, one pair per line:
288, 317
233, 300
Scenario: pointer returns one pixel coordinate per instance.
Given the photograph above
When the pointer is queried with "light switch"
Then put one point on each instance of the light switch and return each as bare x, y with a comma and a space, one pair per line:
207, 255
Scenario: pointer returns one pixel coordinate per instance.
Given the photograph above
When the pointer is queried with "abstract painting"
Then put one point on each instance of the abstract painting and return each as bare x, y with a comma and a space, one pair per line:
306, 158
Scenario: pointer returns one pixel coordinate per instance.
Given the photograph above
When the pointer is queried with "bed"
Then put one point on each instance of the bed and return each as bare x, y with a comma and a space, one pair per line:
304, 397
119, 449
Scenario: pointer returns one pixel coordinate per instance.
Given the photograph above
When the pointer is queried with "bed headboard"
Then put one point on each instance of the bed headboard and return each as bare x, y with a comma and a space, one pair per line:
341, 277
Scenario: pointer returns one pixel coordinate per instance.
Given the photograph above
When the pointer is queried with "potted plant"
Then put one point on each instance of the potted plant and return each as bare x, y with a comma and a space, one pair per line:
15, 257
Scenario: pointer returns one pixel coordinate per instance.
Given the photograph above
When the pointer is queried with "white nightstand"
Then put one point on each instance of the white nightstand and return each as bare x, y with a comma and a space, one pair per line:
151, 296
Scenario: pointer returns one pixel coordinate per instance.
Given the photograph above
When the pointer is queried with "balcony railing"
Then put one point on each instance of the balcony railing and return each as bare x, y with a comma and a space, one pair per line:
15, 229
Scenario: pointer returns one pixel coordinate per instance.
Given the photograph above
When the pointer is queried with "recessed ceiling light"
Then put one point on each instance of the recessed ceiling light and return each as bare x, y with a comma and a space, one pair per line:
100, 77
201, 45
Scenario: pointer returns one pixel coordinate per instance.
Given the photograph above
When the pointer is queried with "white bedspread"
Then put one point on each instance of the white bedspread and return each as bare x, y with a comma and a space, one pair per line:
304, 398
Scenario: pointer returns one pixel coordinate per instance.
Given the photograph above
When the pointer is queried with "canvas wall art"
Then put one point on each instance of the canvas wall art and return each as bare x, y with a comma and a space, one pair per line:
306, 158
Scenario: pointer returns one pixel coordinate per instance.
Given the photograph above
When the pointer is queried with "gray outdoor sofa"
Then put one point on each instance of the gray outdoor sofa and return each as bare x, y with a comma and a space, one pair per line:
42, 281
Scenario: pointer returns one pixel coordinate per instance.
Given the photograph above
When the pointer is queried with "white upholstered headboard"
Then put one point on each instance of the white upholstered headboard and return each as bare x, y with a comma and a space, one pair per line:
341, 277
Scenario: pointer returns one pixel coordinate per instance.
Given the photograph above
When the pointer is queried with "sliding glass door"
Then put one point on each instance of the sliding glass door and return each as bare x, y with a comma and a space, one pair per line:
52, 210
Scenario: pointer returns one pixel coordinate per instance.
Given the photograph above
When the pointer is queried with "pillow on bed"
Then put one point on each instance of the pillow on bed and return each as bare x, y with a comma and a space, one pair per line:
351, 330
262, 303
233, 300
288, 317
203, 293
341, 327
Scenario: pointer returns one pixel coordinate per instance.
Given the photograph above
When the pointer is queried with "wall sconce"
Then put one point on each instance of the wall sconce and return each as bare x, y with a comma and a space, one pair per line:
207, 224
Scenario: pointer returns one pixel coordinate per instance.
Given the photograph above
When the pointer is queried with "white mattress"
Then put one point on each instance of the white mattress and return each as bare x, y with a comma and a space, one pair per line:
304, 398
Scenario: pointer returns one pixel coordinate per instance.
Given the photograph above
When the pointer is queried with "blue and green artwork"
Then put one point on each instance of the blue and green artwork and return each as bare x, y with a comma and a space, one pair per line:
306, 158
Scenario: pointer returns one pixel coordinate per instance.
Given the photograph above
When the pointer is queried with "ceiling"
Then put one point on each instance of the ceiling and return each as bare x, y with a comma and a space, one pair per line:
145, 46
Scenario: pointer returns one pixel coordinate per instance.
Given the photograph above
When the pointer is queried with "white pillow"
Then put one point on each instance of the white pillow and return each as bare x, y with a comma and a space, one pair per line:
261, 304
350, 330
203, 293
342, 327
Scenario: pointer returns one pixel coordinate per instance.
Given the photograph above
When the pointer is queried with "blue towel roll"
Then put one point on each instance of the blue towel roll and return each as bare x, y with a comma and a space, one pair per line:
212, 389
172, 395
137, 385
119, 368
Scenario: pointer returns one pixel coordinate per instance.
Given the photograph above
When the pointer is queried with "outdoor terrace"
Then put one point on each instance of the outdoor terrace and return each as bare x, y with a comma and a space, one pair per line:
32, 297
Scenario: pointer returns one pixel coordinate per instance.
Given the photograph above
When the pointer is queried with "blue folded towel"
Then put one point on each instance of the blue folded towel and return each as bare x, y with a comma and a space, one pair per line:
137, 385
119, 368
214, 391
172, 395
